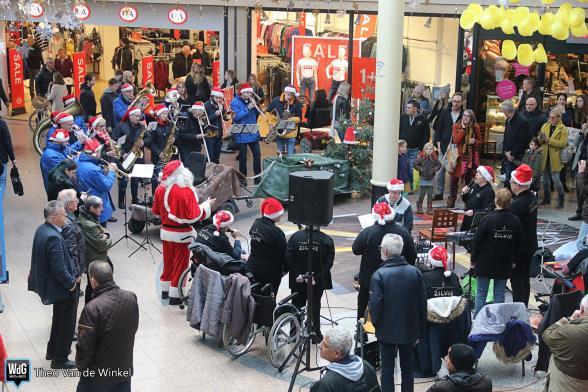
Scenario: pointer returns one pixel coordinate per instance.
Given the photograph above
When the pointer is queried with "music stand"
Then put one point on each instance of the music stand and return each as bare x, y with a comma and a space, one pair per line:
126, 236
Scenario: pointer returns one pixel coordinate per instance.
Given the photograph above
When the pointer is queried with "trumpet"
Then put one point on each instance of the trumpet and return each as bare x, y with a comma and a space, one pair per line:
77, 131
106, 166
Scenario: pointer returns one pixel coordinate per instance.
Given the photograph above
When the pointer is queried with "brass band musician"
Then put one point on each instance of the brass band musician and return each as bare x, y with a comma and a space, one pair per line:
288, 108
217, 113
190, 136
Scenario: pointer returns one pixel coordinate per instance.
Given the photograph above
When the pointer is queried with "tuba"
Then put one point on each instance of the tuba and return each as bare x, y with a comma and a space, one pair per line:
41, 129
142, 98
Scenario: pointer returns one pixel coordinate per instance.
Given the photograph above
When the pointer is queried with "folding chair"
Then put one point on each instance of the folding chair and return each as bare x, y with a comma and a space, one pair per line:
444, 221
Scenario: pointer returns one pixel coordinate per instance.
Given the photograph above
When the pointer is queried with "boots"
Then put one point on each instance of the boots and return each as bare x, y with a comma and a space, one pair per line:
546, 199
429, 208
560, 202
420, 207
438, 197
451, 202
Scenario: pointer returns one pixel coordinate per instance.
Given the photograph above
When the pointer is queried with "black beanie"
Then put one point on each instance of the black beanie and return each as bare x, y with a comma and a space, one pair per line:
462, 357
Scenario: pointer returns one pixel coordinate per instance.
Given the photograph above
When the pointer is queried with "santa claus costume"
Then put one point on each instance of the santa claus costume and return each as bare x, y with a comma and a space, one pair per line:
176, 202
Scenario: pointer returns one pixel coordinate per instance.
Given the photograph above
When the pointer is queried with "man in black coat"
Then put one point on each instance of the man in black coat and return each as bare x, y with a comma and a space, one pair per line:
87, 98
516, 139
463, 377
53, 277
398, 308
524, 206
215, 236
202, 55
529, 91
106, 334
106, 100
534, 116
44, 77
414, 129
72, 232
323, 256
6, 153
34, 62
367, 245
182, 63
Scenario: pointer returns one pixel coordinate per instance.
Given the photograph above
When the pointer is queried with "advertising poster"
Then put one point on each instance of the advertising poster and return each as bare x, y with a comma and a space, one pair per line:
147, 69
79, 71
366, 26
16, 81
364, 78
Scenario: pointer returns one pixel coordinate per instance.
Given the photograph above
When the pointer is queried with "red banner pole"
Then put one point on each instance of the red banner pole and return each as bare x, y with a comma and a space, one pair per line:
16, 82
79, 74
216, 73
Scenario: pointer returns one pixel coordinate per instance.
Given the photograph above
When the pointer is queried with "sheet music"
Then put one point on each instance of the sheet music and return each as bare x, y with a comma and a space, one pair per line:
366, 220
142, 170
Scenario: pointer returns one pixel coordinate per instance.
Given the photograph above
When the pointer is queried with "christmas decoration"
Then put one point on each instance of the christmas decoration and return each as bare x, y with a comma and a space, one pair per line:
45, 30
2, 48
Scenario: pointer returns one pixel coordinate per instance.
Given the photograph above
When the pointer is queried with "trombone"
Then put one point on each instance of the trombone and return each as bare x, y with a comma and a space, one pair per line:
105, 165
210, 133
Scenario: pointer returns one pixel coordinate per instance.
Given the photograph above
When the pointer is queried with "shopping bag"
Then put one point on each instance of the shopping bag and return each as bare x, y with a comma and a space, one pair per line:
450, 158
16, 182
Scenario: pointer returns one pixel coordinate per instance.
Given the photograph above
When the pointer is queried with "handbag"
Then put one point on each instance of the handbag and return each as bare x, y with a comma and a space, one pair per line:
16, 182
449, 160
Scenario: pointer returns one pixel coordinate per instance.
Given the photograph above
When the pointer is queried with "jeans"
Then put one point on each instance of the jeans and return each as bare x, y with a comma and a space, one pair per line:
307, 84
63, 327
254, 147
508, 168
3, 180
334, 87
549, 175
86, 385
32, 73
482, 292
428, 189
440, 181
214, 146
287, 145
580, 242
388, 354
413, 153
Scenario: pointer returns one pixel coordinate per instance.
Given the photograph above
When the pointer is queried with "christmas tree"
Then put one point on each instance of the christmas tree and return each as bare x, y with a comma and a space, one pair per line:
360, 154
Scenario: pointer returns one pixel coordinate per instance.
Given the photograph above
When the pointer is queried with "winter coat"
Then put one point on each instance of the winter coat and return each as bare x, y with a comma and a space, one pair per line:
119, 108
496, 245
219, 243
463, 381
581, 144
582, 184
427, 166
516, 136
206, 301
187, 137
34, 59
131, 131
52, 156
216, 121
524, 206
444, 128
42, 80
402, 211
536, 119
181, 65
64, 67
106, 105
267, 260
203, 57
323, 256
535, 160
367, 244
92, 179
557, 141
440, 106
96, 237
471, 154
439, 285
197, 91
87, 100
415, 134
73, 235
399, 318
56, 94
52, 273
477, 199
6, 149
350, 374
106, 333
403, 167
244, 115
238, 308
157, 139
567, 343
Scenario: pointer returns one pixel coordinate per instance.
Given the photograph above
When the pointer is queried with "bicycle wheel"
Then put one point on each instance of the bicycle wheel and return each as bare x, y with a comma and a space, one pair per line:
184, 286
34, 120
283, 337
40, 139
233, 346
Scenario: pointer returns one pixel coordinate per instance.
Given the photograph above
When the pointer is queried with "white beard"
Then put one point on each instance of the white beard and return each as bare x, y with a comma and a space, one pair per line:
182, 177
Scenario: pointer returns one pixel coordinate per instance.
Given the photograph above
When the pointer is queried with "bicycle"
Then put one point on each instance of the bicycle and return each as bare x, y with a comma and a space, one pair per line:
41, 111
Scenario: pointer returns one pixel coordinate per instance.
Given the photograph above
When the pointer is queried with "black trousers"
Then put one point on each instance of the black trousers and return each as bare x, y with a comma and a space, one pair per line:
521, 286
300, 300
63, 327
362, 300
122, 189
255, 151
580, 199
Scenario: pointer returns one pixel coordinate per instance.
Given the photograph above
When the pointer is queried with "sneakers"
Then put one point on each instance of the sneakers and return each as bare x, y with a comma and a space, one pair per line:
575, 218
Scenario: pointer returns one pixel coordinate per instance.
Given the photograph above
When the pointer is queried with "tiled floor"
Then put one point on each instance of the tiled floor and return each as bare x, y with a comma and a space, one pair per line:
169, 355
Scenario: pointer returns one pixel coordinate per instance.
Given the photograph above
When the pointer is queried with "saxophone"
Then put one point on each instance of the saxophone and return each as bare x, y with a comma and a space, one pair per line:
135, 153
115, 148
169, 150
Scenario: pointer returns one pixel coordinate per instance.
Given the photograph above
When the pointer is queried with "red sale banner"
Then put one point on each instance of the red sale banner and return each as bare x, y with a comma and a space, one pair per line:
364, 78
216, 73
229, 95
302, 24
16, 81
366, 27
79, 71
147, 69
316, 61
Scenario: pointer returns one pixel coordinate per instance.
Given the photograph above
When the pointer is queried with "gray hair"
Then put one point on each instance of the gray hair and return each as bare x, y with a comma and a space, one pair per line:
393, 243
555, 112
100, 270
93, 202
66, 196
339, 340
51, 208
584, 304
507, 107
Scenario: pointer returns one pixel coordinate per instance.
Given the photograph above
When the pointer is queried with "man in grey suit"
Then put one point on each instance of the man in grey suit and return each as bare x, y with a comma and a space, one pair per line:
53, 277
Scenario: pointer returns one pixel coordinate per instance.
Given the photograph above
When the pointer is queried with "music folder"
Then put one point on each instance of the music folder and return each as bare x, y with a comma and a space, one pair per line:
141, 170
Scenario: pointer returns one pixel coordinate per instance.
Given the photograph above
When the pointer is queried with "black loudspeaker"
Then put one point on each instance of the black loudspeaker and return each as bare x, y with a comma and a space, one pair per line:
311, 198
196, 163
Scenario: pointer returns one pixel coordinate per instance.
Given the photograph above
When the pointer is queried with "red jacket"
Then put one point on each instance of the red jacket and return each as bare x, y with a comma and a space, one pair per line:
64, 67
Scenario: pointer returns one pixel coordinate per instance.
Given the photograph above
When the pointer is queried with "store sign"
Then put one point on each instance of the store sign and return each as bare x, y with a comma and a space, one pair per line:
177, 15
364, 78
366, 26
506, 89
81, 11
147, 67
36, 10
216, 73
128, 14
16, 79
79, 71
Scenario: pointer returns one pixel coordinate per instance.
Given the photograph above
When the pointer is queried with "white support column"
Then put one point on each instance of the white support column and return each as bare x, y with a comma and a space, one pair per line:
3, 70
388, 87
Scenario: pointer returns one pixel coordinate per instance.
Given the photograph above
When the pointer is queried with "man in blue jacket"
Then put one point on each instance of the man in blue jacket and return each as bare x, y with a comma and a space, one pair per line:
287, 108
398, 307
122, 102
246, 113
93, 180
67, 121
54, 153
53, 277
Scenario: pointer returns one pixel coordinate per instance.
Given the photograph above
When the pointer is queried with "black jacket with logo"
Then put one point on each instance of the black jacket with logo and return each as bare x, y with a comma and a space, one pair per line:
476, 199
219, 243
415, 134
323, 256
268, 252
525, 207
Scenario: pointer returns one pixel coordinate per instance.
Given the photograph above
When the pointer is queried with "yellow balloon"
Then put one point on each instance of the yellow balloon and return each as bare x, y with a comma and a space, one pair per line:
547, 2
525, 55
539, 54
487, 20
467, 20
526, 30
558, 29
500, 15
546, 22
510, 15
506, 27
476, 9
534, 21
581, 31
564, 11
521, 16
493, 11
576, 17
509, 49
515, 1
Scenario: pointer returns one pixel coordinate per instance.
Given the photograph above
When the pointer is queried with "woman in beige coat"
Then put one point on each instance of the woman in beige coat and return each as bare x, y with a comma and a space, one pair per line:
57, 92
553, 138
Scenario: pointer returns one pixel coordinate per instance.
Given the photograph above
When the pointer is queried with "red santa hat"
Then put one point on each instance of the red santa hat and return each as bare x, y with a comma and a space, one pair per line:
92, 146
271, 208
170, 168
131, 110
172, 95
438, 258
245, 88
290, 89
382, 213
487, 172
59, 136
126, 87
395, 185
68, 99
523, 175
161, 108
93, 122
63, 117
198, 105
222, 219
217, 92
350, 136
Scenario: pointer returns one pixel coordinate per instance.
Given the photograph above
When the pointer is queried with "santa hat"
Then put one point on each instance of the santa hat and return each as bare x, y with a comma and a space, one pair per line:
131, 110
382, 213
349, 136
217, 92
63, 117
172, 95
92, 146
170, 168
222, 219
438, 258
487, 172
290, 89
198, 105
126, 87
523, 175
93, 122
68, 99
271, 208
245, 88
160, 109
59, 136
395, 185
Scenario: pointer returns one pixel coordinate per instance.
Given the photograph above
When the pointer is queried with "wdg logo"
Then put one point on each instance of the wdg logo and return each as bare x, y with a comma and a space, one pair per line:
17, 371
